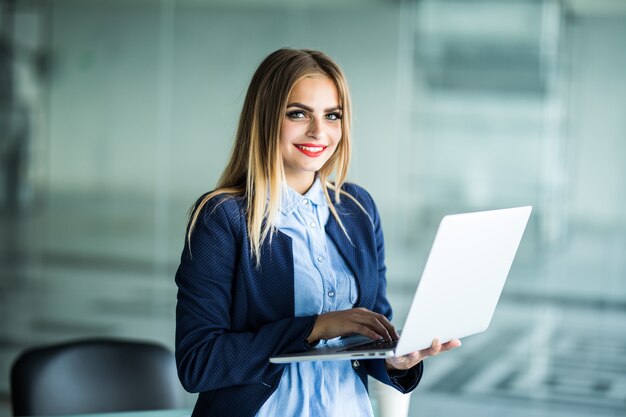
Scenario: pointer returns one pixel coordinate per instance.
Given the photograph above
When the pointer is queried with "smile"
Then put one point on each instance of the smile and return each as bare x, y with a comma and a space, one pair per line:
310, 150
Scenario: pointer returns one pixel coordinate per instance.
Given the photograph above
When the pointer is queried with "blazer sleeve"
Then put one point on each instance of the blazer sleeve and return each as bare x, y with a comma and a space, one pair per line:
209, 353
403, 381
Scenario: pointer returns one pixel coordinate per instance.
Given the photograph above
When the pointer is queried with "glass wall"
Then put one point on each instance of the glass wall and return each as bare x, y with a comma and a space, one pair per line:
517, 103
116, 115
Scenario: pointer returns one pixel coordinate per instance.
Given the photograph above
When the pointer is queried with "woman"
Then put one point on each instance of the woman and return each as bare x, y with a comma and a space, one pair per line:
279, 258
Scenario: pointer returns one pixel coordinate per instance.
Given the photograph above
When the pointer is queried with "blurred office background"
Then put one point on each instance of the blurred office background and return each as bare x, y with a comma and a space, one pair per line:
116, 114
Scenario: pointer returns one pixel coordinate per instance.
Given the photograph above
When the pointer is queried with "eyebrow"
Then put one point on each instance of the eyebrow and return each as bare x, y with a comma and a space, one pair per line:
307, 108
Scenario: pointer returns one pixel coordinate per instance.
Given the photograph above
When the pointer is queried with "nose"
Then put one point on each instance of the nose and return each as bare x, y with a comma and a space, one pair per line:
315, 128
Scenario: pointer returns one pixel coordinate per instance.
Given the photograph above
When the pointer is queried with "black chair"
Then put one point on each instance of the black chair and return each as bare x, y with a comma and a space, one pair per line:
94, 376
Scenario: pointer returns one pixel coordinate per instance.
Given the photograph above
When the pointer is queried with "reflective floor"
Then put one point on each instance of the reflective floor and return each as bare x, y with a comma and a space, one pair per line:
556, 347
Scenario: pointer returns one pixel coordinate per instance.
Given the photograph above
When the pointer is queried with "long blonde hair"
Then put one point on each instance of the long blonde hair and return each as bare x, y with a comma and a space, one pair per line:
255, 170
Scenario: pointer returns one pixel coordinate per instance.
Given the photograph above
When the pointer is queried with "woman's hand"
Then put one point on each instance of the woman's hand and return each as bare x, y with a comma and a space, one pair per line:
412, 359
356, 320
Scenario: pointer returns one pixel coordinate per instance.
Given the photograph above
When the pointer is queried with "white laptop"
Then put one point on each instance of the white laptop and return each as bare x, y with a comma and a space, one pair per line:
457, 295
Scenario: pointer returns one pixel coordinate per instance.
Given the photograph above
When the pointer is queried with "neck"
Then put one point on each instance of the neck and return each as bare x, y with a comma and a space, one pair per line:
301, 184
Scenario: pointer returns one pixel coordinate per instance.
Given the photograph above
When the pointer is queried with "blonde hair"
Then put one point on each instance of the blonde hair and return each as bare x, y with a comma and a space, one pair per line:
255, 170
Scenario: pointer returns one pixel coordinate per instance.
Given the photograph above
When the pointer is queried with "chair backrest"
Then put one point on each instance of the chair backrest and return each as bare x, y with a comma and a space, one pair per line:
94, 376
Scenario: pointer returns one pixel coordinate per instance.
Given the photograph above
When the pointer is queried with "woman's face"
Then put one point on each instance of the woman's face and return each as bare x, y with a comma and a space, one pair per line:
311, 130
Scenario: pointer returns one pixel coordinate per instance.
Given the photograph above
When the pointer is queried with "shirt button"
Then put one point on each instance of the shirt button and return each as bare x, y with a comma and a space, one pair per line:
320, 259
305, 201
331, 293
356, 364
313, 225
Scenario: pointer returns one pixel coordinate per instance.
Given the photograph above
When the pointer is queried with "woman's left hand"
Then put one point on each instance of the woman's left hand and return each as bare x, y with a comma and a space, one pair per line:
408, 361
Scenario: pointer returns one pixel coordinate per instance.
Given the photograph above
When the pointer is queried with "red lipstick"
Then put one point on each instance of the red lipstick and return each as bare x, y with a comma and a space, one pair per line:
311, 149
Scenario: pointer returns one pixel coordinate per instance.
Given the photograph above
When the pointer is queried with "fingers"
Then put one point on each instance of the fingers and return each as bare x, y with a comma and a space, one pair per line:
356, 320
389, 328
454, 343
378, 327
404, 361
437, 347
434, 348
412, 359
389, 331
366, 331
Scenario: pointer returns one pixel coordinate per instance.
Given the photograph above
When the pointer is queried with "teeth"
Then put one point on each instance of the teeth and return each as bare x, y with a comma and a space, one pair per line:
311, 148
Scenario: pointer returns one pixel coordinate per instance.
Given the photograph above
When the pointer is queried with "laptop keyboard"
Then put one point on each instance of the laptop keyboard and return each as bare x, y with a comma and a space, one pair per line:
376, 344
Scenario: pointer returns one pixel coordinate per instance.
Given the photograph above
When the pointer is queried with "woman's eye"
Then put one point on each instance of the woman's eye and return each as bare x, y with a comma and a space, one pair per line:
333, 116
296, 114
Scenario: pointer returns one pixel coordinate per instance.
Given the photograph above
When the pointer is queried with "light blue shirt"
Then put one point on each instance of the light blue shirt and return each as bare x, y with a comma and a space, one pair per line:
323, 283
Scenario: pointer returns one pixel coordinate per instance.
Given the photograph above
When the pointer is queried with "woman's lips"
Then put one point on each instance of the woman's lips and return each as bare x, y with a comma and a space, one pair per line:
311, 149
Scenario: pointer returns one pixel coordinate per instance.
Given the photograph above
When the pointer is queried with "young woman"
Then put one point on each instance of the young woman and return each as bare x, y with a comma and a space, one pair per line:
280, 258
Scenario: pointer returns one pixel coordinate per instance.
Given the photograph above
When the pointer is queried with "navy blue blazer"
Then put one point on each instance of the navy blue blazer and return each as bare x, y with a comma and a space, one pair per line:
232, 316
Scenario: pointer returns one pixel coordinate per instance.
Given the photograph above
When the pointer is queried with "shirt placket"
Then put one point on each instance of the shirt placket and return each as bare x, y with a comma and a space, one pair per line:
320, 257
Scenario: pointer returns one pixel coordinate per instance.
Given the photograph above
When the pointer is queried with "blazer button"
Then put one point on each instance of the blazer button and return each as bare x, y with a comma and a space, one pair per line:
356, 364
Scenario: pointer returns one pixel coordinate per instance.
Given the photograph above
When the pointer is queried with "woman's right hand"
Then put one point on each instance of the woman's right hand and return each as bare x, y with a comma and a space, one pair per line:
356, 320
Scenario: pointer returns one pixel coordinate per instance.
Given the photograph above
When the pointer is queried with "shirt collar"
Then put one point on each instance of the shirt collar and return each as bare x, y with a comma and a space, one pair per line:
291, 199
